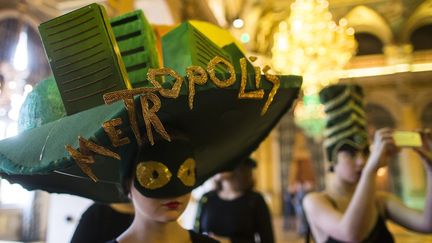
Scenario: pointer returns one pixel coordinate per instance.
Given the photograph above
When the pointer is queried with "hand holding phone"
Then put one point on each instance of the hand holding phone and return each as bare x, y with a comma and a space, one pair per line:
407, 139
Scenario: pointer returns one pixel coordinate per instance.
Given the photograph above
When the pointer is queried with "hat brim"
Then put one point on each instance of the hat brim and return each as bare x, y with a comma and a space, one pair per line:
223, 129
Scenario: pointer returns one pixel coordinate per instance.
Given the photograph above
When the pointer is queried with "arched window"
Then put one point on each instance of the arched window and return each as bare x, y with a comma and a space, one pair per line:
421, 38
378, 116
368, 44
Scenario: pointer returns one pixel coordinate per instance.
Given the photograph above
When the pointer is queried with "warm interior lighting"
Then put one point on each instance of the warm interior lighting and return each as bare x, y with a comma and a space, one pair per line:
311, 44
384, 70
238, 23
20, 60
382, 171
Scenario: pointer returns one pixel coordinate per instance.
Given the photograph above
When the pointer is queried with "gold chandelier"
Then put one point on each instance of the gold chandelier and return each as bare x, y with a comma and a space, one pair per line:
309, 43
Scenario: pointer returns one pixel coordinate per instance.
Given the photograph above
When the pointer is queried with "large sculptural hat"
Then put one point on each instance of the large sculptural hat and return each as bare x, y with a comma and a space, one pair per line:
346, 119
116, 113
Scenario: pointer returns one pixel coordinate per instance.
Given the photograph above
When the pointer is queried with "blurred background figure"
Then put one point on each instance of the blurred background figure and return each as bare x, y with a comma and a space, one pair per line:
103, 222
301, 180
304, 182
234, 212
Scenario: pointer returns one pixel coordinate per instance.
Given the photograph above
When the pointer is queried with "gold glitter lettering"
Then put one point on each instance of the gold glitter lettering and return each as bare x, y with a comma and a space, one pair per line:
127, 97
200, 79
114, 96
150, 116
115, 134
256, 94
175, 90
276, 84
212, 72
84, 157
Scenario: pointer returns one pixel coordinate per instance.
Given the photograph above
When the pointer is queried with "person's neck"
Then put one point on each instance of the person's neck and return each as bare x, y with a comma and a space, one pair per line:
342, 188
152, 231
228, 192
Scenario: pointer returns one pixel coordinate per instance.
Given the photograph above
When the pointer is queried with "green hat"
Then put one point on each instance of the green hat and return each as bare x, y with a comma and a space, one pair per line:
346, 121
171, 134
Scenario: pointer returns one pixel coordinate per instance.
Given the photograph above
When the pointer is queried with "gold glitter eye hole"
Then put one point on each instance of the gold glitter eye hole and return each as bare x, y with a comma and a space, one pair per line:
152, 174
186, 172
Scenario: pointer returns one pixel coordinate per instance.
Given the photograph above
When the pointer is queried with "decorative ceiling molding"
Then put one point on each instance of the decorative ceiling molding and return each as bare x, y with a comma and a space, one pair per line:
365, 19
421, 16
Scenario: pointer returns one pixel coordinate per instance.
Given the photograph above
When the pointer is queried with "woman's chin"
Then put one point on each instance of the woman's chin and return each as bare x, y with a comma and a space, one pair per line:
170, 216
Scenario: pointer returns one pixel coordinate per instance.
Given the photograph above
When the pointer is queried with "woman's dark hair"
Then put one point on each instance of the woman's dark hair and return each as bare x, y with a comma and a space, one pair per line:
241, 176
351, 150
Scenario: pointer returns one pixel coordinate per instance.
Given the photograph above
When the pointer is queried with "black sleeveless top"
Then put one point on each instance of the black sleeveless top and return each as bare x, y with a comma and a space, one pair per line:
379, 233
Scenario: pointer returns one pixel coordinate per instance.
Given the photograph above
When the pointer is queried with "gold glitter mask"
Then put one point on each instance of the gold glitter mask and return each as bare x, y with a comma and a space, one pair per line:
186, 172
152, 174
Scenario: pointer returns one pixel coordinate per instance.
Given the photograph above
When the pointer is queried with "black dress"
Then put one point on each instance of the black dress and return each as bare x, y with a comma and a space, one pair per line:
100, 223
379, 234
239, 219
195, 238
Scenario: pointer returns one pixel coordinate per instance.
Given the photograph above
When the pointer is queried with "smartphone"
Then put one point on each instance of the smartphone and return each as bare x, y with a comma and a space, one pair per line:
407, 139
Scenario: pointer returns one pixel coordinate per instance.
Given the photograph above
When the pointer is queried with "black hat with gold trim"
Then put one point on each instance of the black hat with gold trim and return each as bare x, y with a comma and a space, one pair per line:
346, 121
171, 128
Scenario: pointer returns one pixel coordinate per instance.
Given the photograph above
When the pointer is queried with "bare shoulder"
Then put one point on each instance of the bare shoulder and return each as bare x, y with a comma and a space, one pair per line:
315, 201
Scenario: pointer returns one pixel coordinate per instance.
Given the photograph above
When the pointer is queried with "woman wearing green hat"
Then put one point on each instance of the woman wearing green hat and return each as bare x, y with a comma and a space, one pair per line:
152, 144
350, 209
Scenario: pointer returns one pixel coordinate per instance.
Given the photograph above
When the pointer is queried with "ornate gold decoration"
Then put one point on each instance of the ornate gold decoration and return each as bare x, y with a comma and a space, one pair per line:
200, 79
309, 43
186, 172
212, 72
152, 174
113, 133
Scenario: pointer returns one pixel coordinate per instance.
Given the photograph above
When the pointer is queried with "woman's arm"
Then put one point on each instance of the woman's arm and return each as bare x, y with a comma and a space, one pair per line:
351, 226
355, 223
416, 220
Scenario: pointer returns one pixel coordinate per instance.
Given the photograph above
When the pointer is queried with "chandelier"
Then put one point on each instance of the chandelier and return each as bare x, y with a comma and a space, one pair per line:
309, 43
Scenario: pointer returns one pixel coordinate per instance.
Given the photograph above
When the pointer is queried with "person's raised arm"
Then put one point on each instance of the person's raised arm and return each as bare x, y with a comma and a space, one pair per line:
416, 220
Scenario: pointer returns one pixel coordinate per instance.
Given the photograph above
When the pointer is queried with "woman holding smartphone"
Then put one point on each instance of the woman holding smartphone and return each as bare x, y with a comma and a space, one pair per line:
350, 209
